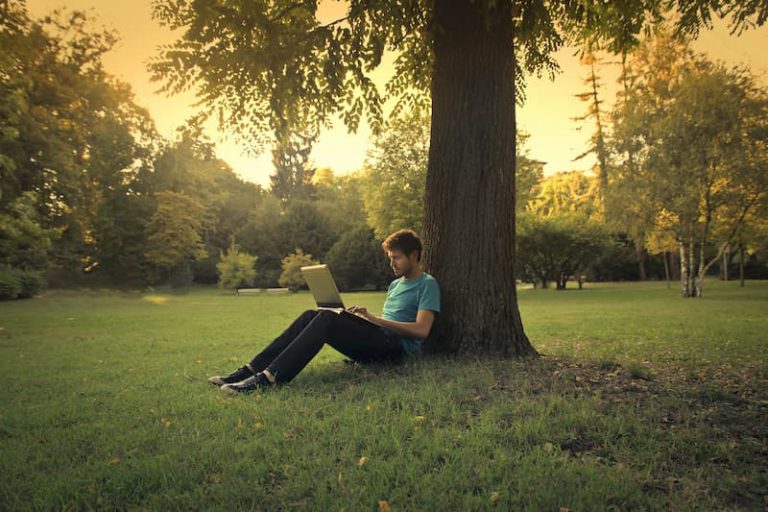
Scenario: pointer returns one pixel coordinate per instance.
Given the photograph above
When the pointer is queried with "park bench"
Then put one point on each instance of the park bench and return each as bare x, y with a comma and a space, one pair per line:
249, 291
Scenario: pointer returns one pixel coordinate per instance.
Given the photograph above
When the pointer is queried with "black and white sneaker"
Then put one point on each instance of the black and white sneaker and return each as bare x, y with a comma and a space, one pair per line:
258, 381
236, 376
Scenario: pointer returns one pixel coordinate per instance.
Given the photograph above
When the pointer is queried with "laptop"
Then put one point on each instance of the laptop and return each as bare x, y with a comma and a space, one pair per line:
326, 293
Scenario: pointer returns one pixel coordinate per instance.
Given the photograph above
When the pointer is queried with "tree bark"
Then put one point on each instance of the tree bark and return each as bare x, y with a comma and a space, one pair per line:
469, 211
666, 269
726, 260
741, 265
698, 282
684, 271
640, 251
674, 266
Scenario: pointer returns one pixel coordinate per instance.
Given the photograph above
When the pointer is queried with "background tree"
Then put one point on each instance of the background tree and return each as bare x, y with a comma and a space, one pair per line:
357, 260
291, 276
236, 268
189, 166
566, 192
293, 174
395, 174
71, 134
173, 235
699, 128
275, 62
597, 142
559, 247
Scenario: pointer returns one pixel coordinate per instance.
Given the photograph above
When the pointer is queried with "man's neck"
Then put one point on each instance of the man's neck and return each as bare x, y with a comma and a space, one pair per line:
416, 273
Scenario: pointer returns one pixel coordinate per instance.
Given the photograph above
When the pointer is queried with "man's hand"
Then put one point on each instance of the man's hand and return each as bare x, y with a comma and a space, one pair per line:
418, 329
361, 311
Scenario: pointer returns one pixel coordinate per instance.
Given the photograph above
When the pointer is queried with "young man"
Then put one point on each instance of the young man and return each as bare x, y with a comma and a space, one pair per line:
413, 300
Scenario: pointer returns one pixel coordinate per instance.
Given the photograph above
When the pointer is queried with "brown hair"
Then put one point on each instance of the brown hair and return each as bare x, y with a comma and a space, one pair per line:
404, 240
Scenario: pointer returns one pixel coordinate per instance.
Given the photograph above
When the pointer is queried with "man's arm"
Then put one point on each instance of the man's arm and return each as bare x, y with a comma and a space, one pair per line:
418, 329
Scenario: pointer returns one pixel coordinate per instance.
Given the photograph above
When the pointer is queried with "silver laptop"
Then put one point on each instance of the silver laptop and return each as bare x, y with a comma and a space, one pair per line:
326, 293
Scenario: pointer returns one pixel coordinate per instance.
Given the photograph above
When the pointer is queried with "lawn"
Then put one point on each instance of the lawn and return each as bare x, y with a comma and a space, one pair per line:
641, 400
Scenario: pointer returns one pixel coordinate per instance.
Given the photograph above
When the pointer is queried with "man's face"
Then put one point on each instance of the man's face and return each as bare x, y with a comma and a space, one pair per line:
401, 264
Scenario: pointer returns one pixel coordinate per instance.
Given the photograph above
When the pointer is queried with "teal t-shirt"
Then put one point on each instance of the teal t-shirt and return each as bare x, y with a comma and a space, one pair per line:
405, 297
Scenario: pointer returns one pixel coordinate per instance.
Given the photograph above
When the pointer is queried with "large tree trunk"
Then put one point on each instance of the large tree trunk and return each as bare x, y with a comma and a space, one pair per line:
469, 213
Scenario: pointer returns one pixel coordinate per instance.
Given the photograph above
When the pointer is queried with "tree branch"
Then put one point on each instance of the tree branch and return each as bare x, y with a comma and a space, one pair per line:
733, 232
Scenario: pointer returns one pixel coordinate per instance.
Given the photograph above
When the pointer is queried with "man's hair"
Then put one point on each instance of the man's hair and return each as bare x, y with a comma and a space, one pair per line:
404, 240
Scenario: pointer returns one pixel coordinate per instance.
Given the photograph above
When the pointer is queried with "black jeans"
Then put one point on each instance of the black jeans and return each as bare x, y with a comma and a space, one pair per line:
290, 352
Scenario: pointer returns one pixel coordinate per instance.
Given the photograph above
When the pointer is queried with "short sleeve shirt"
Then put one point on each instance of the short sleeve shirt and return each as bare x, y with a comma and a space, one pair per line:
405, 297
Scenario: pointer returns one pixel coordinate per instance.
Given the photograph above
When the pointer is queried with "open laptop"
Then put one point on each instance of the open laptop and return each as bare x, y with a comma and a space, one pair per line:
326, 293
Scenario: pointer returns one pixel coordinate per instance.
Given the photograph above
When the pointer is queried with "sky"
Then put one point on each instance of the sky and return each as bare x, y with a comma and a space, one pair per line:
547, 114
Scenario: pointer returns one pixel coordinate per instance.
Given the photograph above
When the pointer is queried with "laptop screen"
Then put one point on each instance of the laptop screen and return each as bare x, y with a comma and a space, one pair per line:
322, 286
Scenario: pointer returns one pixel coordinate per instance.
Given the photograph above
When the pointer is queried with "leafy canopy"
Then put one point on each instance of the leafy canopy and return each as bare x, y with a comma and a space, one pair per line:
271, 66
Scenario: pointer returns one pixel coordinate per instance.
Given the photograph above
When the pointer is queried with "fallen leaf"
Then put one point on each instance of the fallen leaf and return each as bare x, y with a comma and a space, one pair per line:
495, 496
419, 418
114, 461
258, 425
362, 460
384, 506
239, 423
368, 408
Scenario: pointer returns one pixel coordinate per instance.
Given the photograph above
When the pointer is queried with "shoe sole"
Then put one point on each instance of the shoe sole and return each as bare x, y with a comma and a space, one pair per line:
228, 390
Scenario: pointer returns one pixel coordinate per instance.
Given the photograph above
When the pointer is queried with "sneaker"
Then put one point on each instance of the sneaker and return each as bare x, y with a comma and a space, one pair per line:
258, 381
236, 376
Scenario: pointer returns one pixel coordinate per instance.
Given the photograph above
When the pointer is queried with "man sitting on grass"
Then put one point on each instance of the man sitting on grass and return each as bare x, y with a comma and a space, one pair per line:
413, 300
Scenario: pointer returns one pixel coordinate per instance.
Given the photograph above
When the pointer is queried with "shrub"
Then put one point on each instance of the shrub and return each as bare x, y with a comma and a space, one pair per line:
10, 283
291, 276
236, 268
31, 283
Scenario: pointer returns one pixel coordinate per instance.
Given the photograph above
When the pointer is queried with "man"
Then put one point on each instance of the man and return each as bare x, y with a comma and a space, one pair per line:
413, 300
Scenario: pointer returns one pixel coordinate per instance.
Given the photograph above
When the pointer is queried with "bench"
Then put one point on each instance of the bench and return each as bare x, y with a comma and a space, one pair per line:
271, 291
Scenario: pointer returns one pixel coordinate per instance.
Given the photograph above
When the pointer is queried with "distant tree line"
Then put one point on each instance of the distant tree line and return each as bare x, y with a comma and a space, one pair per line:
91, 194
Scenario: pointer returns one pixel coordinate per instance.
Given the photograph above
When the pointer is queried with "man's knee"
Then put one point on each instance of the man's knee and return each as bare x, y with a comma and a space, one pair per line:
310, 313
326, 314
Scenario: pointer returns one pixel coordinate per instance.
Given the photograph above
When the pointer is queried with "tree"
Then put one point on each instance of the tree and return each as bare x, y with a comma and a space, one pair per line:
559, 247
701, 133
266, 64
292, 178
189, 166
236, 268
69, 133
597, 142
564, 192
291, 276
173, 234
395, 175
357, 259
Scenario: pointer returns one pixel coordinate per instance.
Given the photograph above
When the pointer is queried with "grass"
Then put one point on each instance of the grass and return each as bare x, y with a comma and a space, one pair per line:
642, 400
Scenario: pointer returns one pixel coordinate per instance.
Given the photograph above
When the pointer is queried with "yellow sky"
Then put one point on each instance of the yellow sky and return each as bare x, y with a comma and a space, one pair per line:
547, 114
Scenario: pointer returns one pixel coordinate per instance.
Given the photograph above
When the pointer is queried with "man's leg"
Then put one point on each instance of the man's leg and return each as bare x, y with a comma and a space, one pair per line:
354, 339
268, 354
279, 344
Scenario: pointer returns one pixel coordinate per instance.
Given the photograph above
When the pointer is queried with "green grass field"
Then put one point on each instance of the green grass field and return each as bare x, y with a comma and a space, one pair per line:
642, 400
